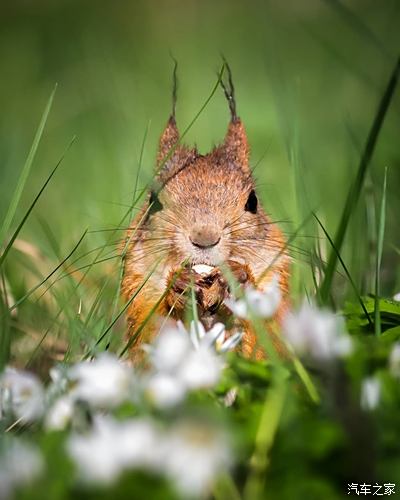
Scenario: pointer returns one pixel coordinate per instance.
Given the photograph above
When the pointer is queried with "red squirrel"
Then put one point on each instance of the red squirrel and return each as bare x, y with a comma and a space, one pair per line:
204, 211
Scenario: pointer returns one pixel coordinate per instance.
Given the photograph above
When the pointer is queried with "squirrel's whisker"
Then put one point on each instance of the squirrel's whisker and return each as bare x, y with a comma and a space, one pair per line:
247, 226
272, 242
153, 253
232, 223
144, 239
168, 220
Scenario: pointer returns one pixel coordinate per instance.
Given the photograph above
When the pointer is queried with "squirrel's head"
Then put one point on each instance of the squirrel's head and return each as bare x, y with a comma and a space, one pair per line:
204, 208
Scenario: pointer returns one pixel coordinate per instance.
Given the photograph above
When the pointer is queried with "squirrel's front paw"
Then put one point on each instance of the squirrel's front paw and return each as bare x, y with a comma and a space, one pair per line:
211, 291
179, 284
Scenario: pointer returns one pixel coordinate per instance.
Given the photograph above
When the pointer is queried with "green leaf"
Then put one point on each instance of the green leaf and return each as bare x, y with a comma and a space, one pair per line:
357, 320
391, 335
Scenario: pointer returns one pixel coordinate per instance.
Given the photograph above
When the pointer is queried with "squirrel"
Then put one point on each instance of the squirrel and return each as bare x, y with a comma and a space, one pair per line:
203, 213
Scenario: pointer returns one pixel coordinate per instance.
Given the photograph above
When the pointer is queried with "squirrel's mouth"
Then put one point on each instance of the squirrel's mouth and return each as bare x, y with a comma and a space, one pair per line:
212, 252
208, 256
205, 260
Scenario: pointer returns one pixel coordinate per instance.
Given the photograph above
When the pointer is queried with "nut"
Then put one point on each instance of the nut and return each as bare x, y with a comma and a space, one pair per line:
202, 269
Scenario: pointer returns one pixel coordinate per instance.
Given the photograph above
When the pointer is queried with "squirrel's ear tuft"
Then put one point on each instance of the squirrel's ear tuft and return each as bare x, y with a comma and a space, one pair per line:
235, 146
170, 137
168, 141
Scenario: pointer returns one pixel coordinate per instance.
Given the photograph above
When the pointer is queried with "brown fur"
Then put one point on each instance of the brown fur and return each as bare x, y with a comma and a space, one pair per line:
203, 200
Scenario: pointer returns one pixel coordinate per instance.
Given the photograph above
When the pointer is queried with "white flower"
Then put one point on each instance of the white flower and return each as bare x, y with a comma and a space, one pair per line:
59, 381
202, 366
20, 464
213, 338
396, 297
103, 382
230, 397
170, 347
164, 390
238, 307
195, 453
201, 369
198, 363
370, 393
259, 303
265, 303
394, 360
197, 332
22, 394
112, 447
60, 414
185, 361
343, 345
317, 333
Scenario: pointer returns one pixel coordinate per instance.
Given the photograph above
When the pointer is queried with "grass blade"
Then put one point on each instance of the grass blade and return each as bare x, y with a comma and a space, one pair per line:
334, 249
61, 264
125, 307
25, 171
28, 212
138, 331
117, 294
381, 233
270, 418
5, 327
355, 189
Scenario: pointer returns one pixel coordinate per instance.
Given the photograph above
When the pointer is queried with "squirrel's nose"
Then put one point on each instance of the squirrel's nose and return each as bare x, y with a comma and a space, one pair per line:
204, 237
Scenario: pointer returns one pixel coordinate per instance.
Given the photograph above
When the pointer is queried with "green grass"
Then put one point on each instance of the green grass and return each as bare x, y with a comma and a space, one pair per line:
356, 187
317, 84
380, 240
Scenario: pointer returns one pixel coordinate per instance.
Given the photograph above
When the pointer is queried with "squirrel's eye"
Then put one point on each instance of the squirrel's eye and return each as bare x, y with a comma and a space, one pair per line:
251, 203
155, 204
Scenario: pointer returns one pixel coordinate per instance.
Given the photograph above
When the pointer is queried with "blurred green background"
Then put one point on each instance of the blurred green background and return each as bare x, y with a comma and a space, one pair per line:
308, 75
